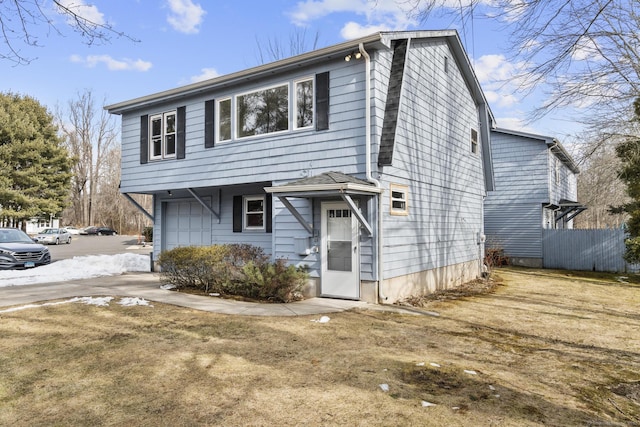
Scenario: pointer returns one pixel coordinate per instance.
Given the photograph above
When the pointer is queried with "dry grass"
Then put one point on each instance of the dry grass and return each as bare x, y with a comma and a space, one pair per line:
547, 348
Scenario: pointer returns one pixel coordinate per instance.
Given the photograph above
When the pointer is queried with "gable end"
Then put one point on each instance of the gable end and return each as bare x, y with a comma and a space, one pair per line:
390, 122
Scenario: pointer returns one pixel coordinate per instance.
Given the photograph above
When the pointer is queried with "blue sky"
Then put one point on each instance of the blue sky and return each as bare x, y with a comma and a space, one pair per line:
182, 41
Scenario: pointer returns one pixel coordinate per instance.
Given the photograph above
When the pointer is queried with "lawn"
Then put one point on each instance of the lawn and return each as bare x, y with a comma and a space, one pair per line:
544, 348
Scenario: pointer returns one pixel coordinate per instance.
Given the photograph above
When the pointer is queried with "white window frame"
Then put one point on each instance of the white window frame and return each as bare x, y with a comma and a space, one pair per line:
404, 191
474, 141
163, 135
231, 118
235, 113
245, 213
294, 107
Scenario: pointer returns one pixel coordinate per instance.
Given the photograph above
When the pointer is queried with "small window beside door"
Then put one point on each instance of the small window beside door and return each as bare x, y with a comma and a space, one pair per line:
399, 199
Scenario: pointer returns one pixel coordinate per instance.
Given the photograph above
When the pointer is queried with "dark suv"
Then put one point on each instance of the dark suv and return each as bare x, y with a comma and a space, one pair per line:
17, 250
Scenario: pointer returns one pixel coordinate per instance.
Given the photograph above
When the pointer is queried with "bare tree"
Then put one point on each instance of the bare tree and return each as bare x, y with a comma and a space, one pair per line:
586, 53
21, 19
599, 187
273, 49
90, 134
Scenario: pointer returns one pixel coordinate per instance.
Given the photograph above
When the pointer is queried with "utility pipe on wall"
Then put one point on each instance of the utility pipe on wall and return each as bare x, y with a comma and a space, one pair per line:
367, 123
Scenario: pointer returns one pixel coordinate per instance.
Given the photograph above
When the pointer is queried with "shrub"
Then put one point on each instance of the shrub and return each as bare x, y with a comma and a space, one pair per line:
232, 269
495, 257
632, 253
274, 281
200, 267
147, 232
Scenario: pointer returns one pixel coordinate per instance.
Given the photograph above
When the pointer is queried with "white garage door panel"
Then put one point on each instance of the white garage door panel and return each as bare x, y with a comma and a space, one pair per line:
186, 223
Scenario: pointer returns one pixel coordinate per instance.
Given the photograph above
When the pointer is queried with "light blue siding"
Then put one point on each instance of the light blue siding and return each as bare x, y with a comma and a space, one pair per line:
277, 156
433, 158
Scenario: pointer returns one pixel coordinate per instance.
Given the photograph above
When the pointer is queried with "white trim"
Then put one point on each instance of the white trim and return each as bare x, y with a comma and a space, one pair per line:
294, 106
236, 129
217, 119
303, 188
163, 135
404, 190
245, 212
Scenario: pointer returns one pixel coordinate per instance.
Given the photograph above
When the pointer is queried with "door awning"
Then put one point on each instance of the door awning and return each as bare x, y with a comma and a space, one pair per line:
328, 184
325, 185
567, 209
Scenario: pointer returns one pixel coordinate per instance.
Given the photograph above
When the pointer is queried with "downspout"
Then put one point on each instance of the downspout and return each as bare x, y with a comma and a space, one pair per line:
367, 135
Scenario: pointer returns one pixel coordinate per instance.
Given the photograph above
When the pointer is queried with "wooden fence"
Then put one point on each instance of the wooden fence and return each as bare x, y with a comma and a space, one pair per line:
592, 250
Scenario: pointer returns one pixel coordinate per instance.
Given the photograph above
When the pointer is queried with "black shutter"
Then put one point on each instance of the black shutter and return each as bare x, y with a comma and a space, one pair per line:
237, 214
180, 132
144, 139
268, 213
209, 123
322, 101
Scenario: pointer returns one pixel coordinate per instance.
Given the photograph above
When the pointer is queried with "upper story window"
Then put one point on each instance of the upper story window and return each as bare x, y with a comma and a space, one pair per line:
262, 112
224, 119
474, 141
304, 103
399, 199
162, 144
300, 104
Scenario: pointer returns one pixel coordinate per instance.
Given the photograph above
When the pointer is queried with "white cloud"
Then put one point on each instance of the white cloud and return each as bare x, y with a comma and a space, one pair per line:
185, 16
205, 74
89, 12
381, 15
112, 64
501, 79
514, 123
353, 30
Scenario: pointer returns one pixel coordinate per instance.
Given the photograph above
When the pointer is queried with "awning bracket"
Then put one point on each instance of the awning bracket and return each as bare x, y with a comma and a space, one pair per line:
296, 214
204, 203
137, 205
356, 211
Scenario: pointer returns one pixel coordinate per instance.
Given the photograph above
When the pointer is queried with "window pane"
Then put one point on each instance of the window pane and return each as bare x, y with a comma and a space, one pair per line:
171, 145
397, 195
304, 104
399, 205
156, 126
224, 120
263, 112
156, 149
254, 206
255, 220
171, 123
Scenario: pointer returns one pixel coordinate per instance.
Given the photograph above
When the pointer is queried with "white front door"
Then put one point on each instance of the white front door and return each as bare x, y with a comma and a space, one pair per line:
340, 253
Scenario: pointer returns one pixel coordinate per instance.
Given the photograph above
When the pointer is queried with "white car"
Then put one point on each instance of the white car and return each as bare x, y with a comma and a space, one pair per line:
73, 230
53, 236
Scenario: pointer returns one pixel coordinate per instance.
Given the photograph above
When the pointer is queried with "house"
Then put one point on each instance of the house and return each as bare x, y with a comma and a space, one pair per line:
535, 189
366, 161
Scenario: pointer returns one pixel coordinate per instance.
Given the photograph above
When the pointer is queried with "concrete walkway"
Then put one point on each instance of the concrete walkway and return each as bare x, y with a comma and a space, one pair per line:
147, 286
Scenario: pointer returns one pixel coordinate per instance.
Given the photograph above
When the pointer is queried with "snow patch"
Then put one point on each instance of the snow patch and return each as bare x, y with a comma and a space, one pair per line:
76, 268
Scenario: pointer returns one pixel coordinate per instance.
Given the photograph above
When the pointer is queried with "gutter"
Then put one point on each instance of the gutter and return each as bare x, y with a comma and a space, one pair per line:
367, 122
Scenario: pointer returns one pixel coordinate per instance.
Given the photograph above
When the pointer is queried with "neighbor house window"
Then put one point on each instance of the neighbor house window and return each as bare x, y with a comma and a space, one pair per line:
303, 103
224, 120
399, 199
263, 111
162, 143
254, 210
474, 141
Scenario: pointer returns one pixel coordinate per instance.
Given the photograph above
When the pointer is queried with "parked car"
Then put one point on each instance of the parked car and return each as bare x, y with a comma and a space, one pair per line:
99, 231
73, 230
18, 250
53, 236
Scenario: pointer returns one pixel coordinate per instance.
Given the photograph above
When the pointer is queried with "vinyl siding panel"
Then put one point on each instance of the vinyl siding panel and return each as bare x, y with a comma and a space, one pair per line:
218, 233
515, 228
277, 157
521, 169
433, 158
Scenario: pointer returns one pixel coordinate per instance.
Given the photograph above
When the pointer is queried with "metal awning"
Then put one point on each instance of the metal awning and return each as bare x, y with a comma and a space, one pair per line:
326, 185
567, 209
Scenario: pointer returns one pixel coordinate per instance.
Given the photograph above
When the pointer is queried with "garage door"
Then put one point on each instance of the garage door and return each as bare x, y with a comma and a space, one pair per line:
186, 223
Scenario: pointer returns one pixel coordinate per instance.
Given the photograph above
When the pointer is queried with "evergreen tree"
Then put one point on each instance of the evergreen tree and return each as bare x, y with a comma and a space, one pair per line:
34, 166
